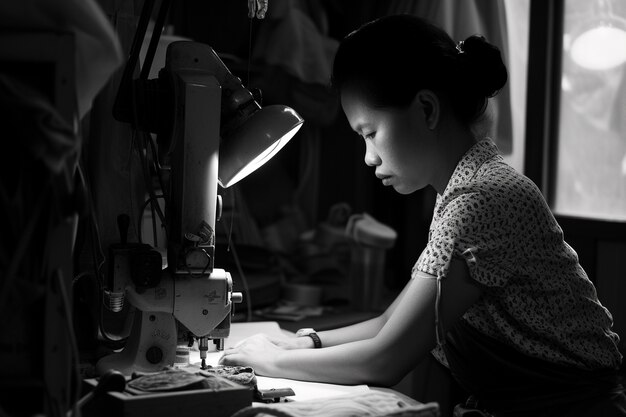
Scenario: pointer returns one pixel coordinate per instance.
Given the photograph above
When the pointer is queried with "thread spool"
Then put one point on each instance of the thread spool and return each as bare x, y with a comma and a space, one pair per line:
182, 356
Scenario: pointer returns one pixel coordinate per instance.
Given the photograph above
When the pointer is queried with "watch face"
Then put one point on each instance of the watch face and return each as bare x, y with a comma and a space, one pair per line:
304, 332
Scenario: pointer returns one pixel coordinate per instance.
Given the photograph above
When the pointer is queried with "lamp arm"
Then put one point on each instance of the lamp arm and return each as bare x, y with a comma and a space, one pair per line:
126, 106
236, 98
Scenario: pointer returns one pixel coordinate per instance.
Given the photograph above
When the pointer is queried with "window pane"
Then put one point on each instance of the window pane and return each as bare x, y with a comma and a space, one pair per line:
591, 173
517, 27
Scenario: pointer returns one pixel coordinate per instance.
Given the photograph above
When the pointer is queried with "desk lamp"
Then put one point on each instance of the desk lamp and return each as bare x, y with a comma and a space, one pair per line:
211, 130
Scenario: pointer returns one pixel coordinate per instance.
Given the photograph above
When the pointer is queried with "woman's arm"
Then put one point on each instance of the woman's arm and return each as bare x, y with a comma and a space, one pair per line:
359, 331
352, 333
406, 336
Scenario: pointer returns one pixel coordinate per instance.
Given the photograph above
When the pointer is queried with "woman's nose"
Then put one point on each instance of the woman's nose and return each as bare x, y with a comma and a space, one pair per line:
371, 157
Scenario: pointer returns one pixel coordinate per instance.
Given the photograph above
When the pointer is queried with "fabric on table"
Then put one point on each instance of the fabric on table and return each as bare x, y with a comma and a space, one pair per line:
372, 404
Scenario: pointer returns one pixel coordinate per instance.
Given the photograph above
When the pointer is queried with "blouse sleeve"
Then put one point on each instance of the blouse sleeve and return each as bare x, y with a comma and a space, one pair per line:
477, 228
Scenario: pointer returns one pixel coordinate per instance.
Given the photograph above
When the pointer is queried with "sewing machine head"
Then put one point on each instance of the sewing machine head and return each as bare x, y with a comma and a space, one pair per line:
207, 143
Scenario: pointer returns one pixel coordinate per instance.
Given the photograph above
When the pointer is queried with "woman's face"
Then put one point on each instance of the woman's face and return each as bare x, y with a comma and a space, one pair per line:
398, 143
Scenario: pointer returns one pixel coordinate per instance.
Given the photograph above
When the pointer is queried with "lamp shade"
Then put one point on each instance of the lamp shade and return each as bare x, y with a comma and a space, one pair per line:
255, 142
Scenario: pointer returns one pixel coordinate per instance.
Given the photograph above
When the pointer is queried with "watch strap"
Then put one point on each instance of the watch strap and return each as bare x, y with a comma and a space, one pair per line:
317, 343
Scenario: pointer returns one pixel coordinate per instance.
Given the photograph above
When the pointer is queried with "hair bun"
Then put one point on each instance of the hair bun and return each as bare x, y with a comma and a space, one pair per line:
483, 65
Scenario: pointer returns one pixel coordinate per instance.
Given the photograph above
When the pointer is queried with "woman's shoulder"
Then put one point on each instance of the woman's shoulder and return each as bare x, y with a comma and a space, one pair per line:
499, 181
496, 193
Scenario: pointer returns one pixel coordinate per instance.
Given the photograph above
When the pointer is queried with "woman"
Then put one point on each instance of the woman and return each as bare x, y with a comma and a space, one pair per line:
496, 295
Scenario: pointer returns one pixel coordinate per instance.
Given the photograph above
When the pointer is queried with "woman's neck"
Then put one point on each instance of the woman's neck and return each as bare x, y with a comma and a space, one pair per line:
455, 145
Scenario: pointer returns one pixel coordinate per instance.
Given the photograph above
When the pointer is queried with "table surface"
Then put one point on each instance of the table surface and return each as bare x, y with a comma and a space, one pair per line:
304, 391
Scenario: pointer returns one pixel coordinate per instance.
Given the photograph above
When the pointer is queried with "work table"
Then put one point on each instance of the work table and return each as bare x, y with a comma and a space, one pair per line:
310, 399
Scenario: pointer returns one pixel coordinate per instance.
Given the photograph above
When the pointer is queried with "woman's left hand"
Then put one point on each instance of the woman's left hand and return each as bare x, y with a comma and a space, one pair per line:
259, 352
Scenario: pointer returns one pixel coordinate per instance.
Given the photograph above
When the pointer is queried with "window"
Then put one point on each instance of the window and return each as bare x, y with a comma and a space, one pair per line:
590, 161
517, 24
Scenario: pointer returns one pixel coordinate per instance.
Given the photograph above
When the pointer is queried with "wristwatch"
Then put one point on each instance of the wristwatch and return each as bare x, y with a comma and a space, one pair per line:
317, 343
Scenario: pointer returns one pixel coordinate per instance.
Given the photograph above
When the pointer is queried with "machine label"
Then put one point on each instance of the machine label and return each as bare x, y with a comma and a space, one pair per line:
158, 333
212, 297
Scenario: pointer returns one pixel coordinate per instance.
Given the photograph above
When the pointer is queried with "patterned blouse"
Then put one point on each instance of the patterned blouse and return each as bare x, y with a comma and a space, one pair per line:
537, 298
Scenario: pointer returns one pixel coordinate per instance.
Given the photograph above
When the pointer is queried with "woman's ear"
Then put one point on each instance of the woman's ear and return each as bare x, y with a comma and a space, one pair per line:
430, 107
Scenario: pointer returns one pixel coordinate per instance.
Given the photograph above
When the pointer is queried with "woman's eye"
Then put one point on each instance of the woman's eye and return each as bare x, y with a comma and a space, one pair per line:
369, 135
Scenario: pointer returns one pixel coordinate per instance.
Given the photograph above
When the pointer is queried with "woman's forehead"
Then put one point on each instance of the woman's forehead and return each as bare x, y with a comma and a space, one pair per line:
357, 110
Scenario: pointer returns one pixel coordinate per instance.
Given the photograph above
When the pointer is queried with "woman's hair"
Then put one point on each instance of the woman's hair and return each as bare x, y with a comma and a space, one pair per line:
391, 58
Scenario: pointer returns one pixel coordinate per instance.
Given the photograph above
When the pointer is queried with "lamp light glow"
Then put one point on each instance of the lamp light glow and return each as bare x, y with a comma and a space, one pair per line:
600, 48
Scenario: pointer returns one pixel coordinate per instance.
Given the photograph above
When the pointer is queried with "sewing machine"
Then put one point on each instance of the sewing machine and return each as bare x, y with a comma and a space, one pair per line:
210, 130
